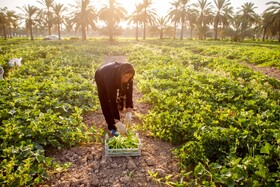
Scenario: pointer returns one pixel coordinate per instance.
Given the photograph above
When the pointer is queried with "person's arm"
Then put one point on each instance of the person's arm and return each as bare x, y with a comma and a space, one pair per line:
129, 101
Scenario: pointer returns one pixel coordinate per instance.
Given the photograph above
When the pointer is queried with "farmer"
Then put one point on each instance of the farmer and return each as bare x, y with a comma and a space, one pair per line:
114, 84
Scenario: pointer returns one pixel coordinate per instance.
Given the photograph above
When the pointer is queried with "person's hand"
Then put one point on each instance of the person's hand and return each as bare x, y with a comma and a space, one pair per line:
121, 128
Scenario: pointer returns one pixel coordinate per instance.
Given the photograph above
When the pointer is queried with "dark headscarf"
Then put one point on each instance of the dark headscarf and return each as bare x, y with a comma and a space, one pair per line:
124, 68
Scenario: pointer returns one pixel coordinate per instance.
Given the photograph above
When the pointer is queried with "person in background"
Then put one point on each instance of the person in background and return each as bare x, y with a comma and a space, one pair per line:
115, 85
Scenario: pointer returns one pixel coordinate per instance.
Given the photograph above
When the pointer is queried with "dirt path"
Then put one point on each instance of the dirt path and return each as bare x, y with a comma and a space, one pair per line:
91, 168
269, 71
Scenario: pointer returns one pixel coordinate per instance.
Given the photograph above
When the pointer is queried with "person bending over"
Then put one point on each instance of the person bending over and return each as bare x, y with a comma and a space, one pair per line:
115, 85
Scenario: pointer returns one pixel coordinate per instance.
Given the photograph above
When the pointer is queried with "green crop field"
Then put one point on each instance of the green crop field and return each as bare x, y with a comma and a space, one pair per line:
223, 117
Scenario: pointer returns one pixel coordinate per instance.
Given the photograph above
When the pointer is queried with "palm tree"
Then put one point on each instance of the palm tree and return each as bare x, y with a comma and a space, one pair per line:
48, 4
112, 15
236, 32
4, 22
220, 5
11, 19
28, 14
274, 9
135, 17
258, 27
148, 15
43, 23
84, 16
192, 16
204, 17
248, 17
174, 14
183, 4
68, 22
87, 12
266, 23
226, 19
161, 25
58, 9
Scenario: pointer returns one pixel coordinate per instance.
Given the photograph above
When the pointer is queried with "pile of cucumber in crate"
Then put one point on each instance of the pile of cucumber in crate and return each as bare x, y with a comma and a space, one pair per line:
123, 145
122, 142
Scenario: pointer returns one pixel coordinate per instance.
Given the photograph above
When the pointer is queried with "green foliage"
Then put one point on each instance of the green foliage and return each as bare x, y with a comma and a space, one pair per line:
41, 104
223, 116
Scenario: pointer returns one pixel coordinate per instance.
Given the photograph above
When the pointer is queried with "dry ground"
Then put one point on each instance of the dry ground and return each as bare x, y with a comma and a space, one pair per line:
91, 168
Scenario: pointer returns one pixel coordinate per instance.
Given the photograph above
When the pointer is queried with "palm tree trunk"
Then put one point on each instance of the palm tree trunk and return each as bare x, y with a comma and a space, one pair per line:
182, 27
161, 34
30, 29
49, 22
84, 35
111, 38
58, 29
264, 33
49, 29
10, 32
182, 31
136, 31
216, 25
4, 31
144, 31
175, 29
216, 29
111, 30
31, 32
223, 35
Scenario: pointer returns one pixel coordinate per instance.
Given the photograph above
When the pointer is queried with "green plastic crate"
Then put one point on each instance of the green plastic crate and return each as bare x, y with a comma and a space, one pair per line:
122, 152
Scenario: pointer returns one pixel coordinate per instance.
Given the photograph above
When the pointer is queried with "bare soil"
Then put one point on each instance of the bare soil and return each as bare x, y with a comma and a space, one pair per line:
91, 168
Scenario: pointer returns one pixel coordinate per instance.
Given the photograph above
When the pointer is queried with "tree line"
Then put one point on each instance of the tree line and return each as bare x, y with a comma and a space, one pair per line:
205, 19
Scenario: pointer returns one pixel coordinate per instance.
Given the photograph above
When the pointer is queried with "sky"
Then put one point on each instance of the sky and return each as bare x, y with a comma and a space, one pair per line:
161, 6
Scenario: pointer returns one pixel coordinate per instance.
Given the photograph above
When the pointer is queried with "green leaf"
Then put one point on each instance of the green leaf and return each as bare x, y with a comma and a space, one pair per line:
199, 169
262, 172
48, 161
230, 182
215, 166
277, 136
266, 148
256, 183
235, 162
40, 158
